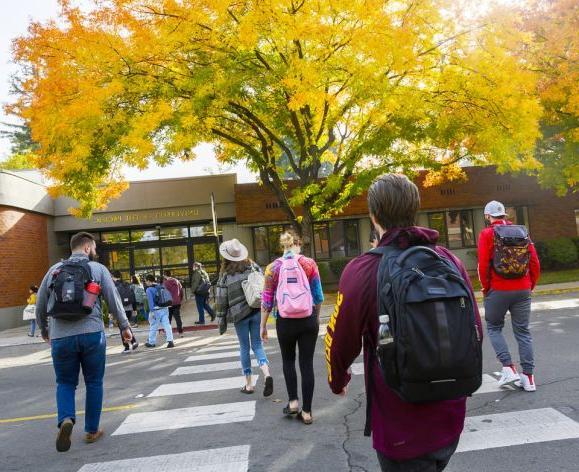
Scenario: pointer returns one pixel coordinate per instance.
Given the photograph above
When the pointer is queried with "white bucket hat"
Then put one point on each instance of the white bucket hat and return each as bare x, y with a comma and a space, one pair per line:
233, 250
495, 209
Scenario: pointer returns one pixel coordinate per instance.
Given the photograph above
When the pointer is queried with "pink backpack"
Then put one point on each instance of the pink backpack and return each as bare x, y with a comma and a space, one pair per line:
293, 294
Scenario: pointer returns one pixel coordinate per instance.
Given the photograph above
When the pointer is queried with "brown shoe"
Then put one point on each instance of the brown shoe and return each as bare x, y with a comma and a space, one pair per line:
93, 437
63, 436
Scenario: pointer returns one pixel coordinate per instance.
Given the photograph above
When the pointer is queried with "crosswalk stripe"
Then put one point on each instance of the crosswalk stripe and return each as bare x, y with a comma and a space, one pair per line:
225, 459
516, 428
220, 347
202, 368
198, 386
180, 418
214, 355
489, 383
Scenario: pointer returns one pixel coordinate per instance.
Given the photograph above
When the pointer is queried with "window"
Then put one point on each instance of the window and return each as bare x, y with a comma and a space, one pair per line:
336, 239
115, 237
175, 255
141, 235
119, 259
321, 241
455, 228
204, 230
517, 215
266, 245
204, 252
174, 233
147, 257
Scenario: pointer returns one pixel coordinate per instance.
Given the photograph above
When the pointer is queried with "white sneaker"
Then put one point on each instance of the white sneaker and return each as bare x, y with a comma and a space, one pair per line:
509, 376
527, 383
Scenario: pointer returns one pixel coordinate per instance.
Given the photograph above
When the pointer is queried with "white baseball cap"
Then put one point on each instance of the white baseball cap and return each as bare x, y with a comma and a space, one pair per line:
495, 209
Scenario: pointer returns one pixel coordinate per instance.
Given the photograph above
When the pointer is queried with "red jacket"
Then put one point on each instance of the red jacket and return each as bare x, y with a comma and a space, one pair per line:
400, 430
176, 289
489, 279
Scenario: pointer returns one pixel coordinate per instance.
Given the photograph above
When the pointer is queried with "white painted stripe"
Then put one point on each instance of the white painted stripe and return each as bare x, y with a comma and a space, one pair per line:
180, 418
515, 428
183, 388
202, 368
225, 459
556, 304
215, 355
358, 368
490, 384
220, 347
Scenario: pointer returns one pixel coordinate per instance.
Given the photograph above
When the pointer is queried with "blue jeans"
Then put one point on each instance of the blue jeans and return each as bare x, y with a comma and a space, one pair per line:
69, 354
156, 318
248, 332
32, 327
202, 305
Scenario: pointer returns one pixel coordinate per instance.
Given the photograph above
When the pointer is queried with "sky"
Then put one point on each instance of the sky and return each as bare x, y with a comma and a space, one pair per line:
14, 22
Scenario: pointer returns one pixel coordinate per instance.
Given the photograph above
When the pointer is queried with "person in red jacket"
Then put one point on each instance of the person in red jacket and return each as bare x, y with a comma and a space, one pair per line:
512, 295
406, 436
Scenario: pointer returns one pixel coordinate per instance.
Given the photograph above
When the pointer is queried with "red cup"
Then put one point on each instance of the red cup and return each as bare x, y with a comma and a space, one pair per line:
92, 291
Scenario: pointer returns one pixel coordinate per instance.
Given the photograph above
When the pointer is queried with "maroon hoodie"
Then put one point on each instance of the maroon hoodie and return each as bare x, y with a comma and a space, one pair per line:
401, 430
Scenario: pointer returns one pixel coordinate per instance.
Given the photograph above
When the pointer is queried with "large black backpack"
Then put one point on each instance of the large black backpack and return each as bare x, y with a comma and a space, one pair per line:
66, 290
436, 350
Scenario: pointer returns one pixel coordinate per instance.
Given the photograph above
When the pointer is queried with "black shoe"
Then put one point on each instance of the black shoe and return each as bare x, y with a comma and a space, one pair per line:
135, 345
126, 351
200, 323
149, 345
212, 317
63, 437
268, 389
170, 344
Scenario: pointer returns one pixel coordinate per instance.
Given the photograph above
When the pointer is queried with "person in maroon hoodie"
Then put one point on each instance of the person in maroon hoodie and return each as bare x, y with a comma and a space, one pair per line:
176, 289
502, 295
406, 436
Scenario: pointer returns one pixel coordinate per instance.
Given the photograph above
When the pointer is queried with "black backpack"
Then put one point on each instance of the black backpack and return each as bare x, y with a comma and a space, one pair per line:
126, 293
162, 297
66, 290
436, 350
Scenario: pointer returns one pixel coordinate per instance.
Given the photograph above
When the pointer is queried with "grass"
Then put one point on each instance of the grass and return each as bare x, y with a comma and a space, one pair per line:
549, 277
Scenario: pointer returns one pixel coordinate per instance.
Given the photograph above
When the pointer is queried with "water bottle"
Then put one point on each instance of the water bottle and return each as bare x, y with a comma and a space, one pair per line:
91, 292
384, 333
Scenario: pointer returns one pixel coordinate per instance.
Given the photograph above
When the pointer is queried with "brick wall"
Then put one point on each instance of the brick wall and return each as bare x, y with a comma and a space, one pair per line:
23, 254
550, 216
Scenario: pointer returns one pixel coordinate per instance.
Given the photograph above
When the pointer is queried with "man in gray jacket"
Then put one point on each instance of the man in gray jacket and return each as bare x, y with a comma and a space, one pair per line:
79, 340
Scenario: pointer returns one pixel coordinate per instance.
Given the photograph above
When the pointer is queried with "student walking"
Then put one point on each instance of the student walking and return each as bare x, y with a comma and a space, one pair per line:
416, 395
176, 289
159, 299
232, 307
294, 290
140, 296
76, 334
200, 286
29, 313
129, 304
508, 274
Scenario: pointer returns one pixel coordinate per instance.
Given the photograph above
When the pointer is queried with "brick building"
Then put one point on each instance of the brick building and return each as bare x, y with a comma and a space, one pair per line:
167, 224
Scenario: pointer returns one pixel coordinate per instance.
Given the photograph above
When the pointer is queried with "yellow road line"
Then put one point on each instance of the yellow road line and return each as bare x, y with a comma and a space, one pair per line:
53, 415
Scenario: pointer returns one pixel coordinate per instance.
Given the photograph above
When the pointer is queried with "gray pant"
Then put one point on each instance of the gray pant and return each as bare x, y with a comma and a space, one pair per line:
518, 303
432, 462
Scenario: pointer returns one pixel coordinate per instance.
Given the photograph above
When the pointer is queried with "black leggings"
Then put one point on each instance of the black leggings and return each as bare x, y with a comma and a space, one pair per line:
304, 333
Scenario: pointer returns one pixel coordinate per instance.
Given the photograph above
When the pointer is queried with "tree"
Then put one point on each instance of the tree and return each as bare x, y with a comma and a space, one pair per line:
553, 51
22, 147
18, 162
355, 88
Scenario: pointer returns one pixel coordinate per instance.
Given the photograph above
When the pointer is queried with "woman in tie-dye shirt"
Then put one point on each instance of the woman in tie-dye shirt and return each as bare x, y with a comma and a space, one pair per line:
292, 332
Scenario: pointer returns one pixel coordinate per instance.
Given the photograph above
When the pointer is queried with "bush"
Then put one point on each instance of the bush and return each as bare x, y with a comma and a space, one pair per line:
562, 253
576, 242
543, 255
325, 272
338, 265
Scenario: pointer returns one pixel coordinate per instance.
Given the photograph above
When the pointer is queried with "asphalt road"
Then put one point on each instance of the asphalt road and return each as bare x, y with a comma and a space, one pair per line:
335, 441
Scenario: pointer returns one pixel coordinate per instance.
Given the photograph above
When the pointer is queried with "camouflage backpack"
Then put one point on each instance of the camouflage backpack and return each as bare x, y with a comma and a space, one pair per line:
511, 253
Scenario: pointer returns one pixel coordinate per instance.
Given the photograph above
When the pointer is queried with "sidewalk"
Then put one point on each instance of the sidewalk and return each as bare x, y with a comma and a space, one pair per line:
18, 336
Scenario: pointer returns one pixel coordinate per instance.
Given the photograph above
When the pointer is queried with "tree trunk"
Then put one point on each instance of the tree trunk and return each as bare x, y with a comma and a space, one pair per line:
307, 233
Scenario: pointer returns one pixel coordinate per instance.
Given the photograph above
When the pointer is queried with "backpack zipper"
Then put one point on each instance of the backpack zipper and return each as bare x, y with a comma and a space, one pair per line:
418, 271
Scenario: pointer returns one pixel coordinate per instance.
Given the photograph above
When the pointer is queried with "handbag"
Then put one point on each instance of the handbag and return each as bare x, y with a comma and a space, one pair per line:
29, 313
204, 287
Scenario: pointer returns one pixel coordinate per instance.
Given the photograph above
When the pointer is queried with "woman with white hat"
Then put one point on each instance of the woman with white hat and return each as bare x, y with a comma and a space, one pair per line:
232, 307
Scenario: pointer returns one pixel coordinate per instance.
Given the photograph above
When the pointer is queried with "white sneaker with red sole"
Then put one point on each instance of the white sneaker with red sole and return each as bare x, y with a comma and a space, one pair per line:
527, 383
509, 376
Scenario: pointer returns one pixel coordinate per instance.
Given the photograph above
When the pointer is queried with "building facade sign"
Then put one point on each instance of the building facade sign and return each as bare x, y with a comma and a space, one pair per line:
146, 217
